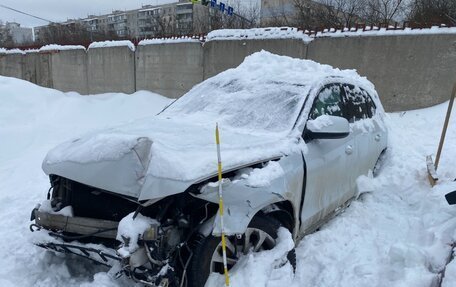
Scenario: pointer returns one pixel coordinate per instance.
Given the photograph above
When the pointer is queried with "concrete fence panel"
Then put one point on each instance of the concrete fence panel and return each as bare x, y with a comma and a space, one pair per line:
111, 69
222, 55
409, 72
11, 65
169, 69
37, 69
69, 71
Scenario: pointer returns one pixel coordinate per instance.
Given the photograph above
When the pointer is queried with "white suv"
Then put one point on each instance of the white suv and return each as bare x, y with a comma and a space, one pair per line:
295, 136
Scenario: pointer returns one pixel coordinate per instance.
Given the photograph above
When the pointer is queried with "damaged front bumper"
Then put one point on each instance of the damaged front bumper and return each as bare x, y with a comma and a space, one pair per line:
55, 233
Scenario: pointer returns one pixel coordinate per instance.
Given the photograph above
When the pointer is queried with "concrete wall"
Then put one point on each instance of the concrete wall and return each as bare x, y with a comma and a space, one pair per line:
69, 71
111, 69
37, 68
222, 55
169, 69
409, 72
11, 65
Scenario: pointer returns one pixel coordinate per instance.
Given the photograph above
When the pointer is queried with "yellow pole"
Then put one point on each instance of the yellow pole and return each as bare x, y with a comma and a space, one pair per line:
220, 192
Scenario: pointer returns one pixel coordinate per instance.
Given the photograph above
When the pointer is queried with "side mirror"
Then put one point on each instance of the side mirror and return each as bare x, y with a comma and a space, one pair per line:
451, 197
327, 127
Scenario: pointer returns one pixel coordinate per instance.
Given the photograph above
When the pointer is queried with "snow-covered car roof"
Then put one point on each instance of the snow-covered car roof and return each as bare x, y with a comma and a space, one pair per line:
265, 93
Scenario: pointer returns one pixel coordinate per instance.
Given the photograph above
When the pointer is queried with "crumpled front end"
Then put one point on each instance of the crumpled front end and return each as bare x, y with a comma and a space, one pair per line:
120, 166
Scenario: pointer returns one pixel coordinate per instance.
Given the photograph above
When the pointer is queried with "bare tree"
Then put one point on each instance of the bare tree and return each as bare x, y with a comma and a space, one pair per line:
6, 40
72, 33
340, 12
384, 11
433, 11
164, 24
323, 13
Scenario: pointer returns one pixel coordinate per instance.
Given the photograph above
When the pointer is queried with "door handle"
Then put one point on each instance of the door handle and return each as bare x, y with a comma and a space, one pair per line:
349, 149
378, 137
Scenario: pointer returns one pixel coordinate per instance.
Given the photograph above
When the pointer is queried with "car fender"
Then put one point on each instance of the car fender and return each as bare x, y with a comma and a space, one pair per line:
242, 200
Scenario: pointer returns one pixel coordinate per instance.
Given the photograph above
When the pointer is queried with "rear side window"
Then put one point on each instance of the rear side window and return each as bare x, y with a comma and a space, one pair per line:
358, 103
328, 102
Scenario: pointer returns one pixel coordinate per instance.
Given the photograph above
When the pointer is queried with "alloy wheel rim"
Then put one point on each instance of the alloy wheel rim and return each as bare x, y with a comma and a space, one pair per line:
253, 239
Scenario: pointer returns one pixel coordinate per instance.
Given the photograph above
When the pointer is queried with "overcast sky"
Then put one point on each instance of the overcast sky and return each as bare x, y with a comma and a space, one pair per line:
61, 10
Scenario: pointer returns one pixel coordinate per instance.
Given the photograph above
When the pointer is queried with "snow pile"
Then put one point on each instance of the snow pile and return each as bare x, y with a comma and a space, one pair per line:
107, 44
132, 228
399, 234
258, 34
55, 47
385, 32
168, 41
260, 177
267, 268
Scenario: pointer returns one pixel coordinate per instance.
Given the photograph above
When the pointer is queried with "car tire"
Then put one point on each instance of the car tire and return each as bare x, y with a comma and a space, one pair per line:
379, 163
203, 263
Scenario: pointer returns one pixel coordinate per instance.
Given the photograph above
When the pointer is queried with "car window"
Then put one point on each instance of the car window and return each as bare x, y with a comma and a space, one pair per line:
328, 102
371, 108
358, 103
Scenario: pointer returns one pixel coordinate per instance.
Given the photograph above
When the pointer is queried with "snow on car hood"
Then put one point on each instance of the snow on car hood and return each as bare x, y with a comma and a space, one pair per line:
145, 160
256, 105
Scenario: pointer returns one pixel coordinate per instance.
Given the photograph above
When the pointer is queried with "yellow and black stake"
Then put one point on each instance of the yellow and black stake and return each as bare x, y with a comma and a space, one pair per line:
220, 192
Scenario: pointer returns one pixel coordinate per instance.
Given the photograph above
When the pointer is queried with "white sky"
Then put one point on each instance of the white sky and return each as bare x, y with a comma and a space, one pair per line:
61, 10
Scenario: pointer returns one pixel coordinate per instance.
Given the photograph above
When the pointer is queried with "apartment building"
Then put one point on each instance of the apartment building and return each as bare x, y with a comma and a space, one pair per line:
19, 35
179, 18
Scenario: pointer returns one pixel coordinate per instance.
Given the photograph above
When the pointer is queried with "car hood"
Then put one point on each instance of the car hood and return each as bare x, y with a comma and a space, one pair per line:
157, 157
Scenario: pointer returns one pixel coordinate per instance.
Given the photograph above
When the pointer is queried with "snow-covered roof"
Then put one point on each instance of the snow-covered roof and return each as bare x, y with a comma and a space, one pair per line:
105, 44
258, 34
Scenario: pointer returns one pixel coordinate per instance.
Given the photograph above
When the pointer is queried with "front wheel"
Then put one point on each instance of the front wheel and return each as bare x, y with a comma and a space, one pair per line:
261, 234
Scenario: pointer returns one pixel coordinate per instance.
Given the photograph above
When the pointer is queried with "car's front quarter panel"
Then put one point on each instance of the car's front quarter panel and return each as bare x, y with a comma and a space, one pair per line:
242, 201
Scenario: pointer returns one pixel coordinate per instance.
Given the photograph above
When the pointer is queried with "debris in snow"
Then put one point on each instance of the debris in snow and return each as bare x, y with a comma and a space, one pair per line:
106, 44
258, 34
132, 229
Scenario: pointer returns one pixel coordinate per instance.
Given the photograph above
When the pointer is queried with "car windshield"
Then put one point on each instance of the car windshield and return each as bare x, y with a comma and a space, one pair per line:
269, 107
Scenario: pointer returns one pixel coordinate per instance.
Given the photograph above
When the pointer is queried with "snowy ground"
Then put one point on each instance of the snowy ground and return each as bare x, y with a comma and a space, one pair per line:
398, 235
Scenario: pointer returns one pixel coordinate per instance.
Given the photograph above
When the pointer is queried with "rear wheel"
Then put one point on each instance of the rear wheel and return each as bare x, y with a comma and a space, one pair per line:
261, 234
379, 164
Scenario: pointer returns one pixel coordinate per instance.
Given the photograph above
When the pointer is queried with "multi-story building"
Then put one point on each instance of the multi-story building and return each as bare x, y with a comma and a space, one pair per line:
179, 18
19, 35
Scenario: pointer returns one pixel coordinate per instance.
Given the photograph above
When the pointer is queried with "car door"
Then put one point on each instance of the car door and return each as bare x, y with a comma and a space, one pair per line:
328, 163
366, 132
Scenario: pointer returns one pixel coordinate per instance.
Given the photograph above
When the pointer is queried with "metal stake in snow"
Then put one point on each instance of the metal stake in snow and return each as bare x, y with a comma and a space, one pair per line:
220, 192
